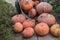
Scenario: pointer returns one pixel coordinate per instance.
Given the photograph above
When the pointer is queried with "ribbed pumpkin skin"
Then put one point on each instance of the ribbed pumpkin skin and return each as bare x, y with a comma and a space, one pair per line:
55, 29
42, 29
47, 18
32, 13
29, 23
26, 4
28, 32
18, 18
44, 7
18, 27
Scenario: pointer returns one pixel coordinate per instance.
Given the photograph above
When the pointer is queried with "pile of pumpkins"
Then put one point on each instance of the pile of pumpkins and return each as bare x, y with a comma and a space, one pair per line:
45, 21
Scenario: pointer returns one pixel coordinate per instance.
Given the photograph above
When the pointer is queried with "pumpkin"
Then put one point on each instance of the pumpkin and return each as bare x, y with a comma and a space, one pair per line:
44, 7
26, 4
42, 29
18, 27
47, 18
18, 18
28, 32
29, 23
36, 3
55, 30
32, 13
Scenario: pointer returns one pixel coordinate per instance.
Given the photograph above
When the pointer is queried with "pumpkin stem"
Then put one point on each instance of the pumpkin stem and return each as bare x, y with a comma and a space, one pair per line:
27, 1
42, 26
41, 16
17, 15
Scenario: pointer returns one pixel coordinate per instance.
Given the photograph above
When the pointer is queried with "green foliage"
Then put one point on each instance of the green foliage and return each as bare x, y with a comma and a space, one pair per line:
6, 11
55, 4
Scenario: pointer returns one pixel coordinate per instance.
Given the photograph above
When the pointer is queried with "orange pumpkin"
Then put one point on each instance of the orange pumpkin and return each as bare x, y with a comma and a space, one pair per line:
18, 27
29, 23
44, 7
18, 18
42, 29
55, 29
26, 4
28, 32
32, 13
47, 18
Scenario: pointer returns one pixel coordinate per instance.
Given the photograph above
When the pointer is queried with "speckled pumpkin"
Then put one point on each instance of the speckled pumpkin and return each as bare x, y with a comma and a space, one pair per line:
42, 29
18, 18
47, 18
28, 32
29, 23
26, 4
55, 29
32, 13
18, 27
44, 7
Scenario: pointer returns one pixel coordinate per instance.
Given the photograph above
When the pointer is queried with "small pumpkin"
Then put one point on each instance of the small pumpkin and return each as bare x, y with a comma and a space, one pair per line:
26, 4
28, 32
42, 29
18, 18
47, 18
18, 27
29, 23
55, 30
44, 7
32, 13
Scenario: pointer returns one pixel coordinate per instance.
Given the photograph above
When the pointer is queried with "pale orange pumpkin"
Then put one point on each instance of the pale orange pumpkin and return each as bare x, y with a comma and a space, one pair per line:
32, 13
29, 23
28, 32
55, 29
44, 7
26, 4
47, 18
18, 27
18, 18
42, 29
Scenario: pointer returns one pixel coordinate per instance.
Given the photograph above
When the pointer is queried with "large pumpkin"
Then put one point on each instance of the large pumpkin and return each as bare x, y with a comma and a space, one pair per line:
42, 29
28, 32
18, 27
47, 18
43, 7
18, 18
29, 23
55, 29
26, 4
32, 13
